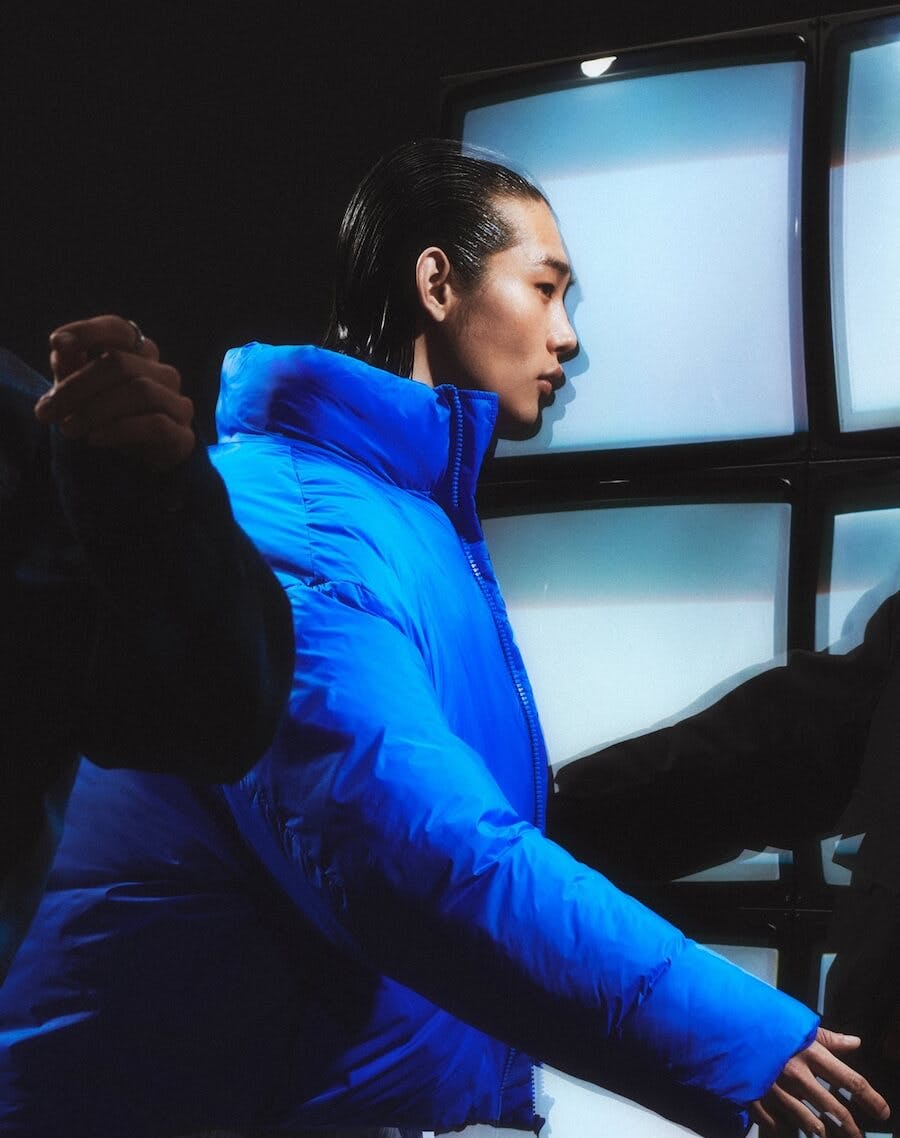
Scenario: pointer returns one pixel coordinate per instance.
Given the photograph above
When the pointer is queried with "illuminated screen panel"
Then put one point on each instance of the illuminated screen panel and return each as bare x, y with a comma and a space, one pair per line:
751, 865
824, 967
860, 568
630, 616
865, 231
678, 196
627, 615
864, 567
839, 855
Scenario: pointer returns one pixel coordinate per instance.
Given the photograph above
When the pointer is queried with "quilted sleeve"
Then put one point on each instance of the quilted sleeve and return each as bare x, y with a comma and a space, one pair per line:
392, 835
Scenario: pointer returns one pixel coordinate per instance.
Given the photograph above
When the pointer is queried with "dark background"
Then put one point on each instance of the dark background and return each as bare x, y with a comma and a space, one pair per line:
187, 163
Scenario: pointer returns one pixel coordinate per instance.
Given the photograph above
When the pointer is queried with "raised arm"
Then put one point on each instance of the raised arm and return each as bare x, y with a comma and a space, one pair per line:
193, 648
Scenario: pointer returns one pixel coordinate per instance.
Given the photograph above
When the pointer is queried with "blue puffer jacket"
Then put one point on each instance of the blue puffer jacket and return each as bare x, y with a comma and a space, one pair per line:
436, 939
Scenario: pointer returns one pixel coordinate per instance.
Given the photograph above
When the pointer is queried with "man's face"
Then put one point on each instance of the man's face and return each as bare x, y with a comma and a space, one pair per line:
511, 333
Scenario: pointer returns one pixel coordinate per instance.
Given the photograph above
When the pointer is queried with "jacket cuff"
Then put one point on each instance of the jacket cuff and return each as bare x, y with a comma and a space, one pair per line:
749, 1031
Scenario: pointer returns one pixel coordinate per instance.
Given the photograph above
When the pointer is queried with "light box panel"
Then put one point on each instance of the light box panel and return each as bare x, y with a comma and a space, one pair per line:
678, 194
864, 567
865, 226
627, 616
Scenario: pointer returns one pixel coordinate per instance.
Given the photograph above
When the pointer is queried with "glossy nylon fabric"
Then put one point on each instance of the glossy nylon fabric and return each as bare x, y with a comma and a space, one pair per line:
400, 814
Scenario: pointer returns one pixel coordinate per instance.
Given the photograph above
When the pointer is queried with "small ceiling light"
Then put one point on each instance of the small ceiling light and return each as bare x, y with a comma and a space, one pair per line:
594, 68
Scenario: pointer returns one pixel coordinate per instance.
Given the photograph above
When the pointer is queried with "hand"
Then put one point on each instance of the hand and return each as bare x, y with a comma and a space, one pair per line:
110, 390
787, 1104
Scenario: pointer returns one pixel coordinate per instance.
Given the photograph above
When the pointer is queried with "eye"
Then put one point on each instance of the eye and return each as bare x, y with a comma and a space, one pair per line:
547, 288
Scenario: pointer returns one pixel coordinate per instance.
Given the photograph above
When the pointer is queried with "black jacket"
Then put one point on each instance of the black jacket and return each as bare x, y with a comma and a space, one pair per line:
138, 626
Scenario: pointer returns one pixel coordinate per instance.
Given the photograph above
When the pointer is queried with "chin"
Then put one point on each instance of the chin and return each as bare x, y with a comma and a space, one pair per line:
523, 422
518, 430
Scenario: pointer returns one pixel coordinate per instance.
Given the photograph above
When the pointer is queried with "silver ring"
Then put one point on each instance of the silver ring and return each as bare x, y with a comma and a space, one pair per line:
139, 339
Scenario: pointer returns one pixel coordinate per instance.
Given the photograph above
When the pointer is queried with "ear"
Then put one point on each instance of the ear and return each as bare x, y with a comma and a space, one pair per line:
434, 284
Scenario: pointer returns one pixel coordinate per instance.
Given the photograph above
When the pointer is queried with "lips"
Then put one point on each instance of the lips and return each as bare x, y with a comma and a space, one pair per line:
555, 378
551, 383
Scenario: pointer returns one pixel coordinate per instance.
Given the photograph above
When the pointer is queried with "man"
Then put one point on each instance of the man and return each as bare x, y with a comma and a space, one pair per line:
134, 610
371, 927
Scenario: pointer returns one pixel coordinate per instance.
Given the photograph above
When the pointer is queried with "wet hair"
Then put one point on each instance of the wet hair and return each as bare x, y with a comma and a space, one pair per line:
425, 193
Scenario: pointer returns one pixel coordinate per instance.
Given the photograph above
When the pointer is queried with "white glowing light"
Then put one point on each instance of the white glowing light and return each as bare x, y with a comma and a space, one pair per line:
594, 68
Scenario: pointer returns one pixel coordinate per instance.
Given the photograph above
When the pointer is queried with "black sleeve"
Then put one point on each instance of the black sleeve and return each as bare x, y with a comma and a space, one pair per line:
773, 762
193, 653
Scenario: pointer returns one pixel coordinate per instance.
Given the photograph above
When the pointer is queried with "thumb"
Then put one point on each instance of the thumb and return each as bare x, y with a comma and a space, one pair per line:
66, 354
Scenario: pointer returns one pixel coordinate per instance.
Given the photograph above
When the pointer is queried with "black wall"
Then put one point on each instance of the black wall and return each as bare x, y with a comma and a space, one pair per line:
186, 162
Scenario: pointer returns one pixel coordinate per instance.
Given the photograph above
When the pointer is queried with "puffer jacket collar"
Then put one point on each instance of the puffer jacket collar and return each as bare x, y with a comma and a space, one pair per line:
424, 439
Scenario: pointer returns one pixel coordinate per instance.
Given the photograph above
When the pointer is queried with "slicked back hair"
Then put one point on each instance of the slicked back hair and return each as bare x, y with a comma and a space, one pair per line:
425, 193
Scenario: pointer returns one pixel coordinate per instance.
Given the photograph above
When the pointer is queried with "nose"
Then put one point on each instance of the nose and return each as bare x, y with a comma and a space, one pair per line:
563, 340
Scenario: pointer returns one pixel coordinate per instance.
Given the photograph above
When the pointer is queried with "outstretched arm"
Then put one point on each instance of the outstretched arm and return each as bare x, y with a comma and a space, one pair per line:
391, 834
773, 762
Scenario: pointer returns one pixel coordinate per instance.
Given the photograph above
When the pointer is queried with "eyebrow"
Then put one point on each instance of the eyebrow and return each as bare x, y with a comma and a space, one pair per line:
562, 267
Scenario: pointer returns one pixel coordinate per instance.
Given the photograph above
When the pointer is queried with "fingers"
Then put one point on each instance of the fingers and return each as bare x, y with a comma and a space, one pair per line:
803, 1092
110, 395
769, 1125
781, 1114
106, 404
826, 1065
79, 390
139, 396
809, 1108
73, 345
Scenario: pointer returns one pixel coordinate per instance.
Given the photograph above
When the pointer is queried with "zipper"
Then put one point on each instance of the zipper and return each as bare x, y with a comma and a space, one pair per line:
528, 710
501, 624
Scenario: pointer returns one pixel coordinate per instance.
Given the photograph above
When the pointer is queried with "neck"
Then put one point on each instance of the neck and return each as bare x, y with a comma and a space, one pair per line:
424, 368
